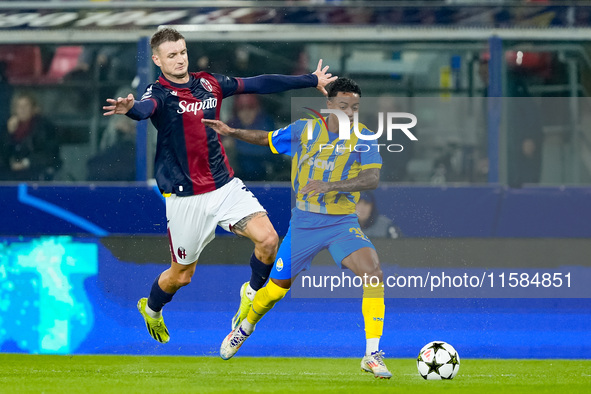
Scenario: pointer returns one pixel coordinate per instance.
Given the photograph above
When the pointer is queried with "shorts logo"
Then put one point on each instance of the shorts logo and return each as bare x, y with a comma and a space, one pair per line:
279, 265
359, 233
181, 252
206, 85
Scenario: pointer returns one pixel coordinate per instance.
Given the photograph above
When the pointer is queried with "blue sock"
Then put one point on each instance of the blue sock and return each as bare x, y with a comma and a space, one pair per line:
158, 297
260, 272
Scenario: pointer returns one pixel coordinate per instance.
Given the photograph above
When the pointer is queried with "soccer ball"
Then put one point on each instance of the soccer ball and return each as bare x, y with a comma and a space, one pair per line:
438, 360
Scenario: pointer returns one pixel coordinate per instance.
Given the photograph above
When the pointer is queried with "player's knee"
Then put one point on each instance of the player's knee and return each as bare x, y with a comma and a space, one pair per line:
183, 279
379, 274
376, 272
376, 268
269, 244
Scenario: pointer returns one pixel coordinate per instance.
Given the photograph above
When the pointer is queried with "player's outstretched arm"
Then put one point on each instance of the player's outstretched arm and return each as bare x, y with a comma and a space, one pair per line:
256, 137
120, 106
275, 83
366, 180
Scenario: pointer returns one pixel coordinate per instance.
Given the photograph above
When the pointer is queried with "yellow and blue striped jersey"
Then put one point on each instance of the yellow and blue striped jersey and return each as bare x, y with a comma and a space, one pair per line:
324, 157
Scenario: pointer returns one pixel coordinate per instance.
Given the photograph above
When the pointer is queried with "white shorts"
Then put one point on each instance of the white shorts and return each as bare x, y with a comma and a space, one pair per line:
192, 220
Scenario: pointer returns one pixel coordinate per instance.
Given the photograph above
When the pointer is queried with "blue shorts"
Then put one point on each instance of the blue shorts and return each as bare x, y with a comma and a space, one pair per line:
309, 233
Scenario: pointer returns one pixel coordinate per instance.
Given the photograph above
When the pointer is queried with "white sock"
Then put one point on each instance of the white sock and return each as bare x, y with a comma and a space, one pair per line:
372, 345
250, 292
153, 314
247, 327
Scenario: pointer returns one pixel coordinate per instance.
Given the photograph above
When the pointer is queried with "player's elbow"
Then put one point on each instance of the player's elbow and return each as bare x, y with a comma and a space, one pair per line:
372, 179
374, 183
263, 141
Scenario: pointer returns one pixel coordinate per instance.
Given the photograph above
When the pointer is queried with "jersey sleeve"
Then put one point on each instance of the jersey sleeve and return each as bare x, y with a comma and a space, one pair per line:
229, 85
275, 83
149, 103
371, 158
282, 140
265, 84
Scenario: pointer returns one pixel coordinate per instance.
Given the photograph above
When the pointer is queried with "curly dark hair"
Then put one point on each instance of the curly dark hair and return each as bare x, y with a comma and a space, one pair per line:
343, 85
165, 35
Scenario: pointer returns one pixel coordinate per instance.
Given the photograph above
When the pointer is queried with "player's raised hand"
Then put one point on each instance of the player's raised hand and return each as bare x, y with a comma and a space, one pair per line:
324, 77
218, 126
120, 106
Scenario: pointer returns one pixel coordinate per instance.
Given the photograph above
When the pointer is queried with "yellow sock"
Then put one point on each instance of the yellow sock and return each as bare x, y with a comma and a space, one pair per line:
264, 300
373, 310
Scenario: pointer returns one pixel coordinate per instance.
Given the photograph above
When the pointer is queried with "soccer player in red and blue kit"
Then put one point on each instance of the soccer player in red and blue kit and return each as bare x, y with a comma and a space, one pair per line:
193, 172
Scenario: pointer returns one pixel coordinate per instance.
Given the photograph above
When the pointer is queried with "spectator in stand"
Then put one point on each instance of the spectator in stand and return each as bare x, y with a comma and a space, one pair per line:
395, 165
32, 151
524, 158
525, 129
104, 63
101, 67
113, 132
117, 161
254, 163
372, 223
5, 96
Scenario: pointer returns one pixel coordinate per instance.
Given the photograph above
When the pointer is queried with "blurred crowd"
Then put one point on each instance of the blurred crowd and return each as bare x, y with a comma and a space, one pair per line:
43, 117
51, 95
498, 13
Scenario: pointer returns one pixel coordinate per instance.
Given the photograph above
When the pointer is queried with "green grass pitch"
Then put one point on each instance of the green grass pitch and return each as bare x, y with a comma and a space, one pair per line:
157, 374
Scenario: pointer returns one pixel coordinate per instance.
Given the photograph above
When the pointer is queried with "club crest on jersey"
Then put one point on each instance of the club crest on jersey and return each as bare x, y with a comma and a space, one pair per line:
206, 85
341, 148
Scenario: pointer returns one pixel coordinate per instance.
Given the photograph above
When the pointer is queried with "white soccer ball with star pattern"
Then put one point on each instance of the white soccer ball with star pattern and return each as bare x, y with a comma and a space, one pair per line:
438, 360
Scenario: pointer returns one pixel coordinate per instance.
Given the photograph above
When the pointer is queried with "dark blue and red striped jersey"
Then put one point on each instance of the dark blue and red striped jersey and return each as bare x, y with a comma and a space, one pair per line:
190, 158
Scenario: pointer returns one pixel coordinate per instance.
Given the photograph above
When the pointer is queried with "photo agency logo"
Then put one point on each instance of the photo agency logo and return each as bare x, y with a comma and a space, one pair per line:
391, 119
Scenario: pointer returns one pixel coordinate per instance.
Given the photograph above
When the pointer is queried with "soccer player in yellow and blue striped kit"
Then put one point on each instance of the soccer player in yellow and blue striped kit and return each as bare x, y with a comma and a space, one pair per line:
327, 175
